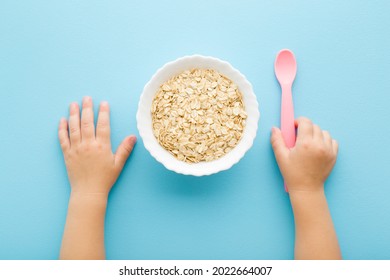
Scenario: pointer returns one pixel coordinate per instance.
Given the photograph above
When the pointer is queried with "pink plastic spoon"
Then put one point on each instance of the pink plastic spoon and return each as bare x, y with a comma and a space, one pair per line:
285, 71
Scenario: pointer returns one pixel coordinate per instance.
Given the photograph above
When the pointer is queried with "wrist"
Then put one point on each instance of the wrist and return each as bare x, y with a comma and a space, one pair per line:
305, 186
89, 197
306, 203
90, 189
305, 193
87, 206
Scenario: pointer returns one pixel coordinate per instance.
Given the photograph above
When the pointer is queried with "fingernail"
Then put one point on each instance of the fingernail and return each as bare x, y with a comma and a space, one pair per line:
133, 140
61, 122
73, 107
86, 99
104, 104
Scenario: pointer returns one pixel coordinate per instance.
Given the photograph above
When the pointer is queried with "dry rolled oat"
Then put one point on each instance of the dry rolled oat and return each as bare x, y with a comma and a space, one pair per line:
198, 115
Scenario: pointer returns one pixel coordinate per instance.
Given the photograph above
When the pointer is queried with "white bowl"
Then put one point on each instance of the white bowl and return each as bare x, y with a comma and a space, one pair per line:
144, 116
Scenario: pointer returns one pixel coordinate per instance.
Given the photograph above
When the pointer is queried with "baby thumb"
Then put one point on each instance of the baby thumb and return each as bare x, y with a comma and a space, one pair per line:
278, 145
124, 151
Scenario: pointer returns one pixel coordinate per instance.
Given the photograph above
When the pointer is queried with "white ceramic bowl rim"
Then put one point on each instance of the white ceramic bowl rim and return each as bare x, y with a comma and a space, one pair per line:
144, 118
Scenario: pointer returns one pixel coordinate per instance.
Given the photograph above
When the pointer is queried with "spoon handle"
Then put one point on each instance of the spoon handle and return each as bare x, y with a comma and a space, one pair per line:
287, 119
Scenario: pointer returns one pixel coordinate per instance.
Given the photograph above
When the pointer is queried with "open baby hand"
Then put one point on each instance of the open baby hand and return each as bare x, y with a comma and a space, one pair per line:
91, 165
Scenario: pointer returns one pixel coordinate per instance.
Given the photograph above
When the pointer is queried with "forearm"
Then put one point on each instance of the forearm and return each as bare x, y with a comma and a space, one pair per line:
84, 229
315, 236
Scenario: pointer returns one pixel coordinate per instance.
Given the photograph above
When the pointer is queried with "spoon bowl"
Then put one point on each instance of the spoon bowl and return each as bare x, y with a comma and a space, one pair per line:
285, 67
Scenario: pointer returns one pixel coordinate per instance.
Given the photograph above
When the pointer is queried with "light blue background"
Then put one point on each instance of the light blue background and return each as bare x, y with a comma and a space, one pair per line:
55, 52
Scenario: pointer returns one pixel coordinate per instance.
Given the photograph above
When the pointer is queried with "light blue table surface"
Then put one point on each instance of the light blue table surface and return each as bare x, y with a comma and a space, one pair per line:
55, 52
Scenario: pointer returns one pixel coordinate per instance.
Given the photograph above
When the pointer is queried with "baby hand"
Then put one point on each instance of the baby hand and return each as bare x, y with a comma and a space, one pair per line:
91, 165
306, 166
